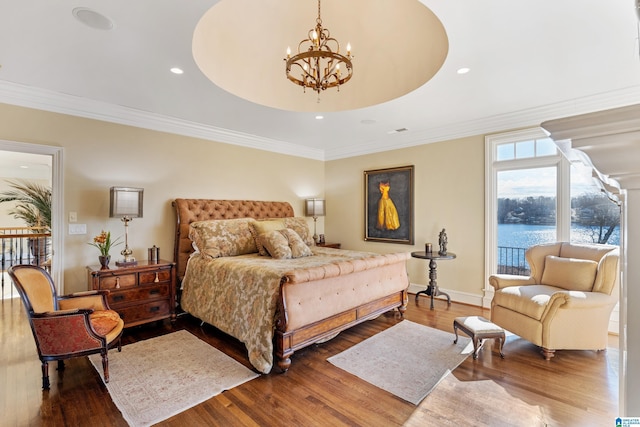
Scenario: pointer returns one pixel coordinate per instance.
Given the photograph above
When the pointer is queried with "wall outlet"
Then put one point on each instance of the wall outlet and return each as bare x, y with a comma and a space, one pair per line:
77, 228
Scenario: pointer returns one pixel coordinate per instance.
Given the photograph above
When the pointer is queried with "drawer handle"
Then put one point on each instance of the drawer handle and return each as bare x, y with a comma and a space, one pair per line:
154, 309
118, 298
117, 283
154, 291
157, 279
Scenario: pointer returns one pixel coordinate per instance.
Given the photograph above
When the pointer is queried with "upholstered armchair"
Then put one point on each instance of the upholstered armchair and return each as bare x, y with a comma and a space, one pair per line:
69, 326
566, 302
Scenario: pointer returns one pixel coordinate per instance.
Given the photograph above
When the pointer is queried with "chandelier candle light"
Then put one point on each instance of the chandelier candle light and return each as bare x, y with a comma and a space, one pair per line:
318, 62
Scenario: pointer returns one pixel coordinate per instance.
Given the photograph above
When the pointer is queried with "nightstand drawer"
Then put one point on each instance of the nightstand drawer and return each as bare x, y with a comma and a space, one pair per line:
149, 277
139, 294
142, 313
118, 282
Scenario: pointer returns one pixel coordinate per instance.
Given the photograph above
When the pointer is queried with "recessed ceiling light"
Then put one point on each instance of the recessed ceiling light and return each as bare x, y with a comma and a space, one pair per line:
463, 70
367, 121
92, 19
176, 70
319, 117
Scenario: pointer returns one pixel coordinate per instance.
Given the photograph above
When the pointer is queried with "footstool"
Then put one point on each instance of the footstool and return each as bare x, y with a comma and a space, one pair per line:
478, 328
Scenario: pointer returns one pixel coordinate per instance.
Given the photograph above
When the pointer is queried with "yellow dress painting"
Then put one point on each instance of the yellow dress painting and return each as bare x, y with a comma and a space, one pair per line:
387, 213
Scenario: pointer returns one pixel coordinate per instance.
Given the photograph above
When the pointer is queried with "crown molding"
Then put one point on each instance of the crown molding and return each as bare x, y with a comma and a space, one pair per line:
492, 124
30, 97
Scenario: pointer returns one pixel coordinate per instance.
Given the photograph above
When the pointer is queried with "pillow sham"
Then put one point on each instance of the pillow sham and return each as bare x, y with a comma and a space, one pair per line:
569, 273
223, 237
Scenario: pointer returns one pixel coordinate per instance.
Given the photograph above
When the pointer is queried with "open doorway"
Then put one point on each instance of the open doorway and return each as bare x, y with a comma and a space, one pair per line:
24, 175
41, 165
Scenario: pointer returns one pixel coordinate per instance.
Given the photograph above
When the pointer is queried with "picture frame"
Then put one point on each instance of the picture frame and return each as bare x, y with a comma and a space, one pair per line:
389, 205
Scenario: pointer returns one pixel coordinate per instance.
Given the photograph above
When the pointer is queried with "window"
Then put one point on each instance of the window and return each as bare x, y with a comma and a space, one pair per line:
536, 195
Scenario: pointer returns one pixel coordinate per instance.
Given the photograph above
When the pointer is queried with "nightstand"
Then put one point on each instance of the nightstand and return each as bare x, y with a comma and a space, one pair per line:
329, 245
140, 293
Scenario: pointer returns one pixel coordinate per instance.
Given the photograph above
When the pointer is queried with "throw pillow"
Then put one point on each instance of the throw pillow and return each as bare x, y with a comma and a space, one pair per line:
276, 244
259, 228
297, 246
572, 274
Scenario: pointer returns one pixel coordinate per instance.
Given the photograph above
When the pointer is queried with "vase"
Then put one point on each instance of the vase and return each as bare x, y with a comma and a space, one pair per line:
104, 261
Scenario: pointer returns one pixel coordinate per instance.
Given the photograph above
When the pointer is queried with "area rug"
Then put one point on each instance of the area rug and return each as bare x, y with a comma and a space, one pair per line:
152, 380
408, 359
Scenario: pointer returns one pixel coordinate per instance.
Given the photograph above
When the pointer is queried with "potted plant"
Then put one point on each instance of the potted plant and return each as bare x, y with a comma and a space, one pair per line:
33, 206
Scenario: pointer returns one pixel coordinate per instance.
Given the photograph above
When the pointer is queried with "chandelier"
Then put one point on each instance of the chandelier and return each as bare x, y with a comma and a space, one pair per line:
318, 65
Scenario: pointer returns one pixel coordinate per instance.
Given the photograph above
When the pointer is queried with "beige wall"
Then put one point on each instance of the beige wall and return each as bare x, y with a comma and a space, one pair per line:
449, 193
449, 189
99, 155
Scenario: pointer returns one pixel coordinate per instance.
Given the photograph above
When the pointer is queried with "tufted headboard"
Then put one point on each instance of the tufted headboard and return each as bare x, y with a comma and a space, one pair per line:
190, 210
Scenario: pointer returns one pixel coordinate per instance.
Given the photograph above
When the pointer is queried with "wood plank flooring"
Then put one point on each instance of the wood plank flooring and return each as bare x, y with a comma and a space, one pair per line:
575, 388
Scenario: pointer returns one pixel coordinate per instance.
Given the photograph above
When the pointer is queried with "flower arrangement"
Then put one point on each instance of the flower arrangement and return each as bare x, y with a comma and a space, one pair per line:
104, 243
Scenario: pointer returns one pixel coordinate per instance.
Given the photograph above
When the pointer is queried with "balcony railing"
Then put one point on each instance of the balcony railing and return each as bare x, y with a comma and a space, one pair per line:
512, 261
23, 245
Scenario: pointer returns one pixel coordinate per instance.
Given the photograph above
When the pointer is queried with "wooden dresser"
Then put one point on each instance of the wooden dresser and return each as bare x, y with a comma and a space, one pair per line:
141, 293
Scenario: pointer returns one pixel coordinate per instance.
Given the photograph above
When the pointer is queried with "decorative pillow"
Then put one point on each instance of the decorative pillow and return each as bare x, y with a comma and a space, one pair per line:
284, 244
276, 244
258, 228
103, 321
300, 225
572, 274
298, 247
223, 237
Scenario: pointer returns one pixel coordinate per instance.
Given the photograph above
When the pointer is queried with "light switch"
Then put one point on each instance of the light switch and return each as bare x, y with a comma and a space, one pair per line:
77, 228
73, 216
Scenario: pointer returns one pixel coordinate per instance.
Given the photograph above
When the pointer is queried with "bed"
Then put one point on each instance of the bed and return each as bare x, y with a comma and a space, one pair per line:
276, 306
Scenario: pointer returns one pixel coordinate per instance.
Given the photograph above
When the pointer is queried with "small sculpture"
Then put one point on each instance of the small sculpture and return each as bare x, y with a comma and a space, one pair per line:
443, 242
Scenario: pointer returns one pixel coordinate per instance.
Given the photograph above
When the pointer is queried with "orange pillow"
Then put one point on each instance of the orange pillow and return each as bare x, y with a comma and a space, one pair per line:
103, 321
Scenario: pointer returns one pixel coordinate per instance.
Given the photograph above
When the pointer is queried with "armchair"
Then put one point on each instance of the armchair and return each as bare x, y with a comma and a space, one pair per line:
69, 326
566, 302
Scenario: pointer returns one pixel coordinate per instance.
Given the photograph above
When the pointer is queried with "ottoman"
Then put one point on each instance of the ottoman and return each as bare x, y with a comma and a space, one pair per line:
478, 328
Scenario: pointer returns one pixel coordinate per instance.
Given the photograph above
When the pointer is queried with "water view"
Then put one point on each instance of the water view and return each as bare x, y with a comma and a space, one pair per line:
524, 235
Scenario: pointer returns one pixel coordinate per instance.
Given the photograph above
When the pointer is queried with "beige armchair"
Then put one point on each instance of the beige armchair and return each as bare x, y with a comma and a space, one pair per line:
566, 302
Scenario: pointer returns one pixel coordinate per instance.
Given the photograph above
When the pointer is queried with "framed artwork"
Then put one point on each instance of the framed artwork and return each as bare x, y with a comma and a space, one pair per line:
388, 206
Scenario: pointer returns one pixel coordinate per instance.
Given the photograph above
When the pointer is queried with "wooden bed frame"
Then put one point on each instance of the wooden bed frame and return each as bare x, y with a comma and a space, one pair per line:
286, 341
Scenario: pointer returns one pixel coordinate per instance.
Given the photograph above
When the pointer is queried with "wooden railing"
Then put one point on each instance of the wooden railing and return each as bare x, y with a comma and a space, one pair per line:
23, 245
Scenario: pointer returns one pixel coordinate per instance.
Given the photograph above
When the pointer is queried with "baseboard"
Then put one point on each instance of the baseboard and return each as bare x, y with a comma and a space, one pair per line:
461, 297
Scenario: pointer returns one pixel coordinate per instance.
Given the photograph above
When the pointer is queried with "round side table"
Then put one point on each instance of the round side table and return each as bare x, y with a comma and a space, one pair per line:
432, 290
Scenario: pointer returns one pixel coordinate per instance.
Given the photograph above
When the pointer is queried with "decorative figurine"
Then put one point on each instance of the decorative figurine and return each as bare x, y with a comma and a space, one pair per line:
443, 242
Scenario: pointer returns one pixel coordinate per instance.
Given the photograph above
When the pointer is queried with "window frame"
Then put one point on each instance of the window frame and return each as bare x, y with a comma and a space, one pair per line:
493, 166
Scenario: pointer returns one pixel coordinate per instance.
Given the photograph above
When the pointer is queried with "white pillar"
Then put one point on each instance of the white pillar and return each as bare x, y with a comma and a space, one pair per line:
630, 307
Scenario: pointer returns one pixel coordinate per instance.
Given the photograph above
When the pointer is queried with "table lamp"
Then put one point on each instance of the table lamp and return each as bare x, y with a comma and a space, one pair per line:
315, 208
126, 204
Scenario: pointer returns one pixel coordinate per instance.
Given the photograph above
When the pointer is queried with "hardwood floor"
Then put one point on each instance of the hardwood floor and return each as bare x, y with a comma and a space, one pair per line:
574, 388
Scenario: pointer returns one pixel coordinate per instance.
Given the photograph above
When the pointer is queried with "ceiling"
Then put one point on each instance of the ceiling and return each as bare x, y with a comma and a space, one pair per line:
530, 61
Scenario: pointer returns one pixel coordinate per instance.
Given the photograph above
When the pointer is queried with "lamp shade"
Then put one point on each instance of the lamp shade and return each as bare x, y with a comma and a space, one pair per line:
126, 202
315, 207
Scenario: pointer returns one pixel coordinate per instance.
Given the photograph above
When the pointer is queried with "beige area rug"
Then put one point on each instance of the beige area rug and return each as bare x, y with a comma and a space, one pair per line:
152, 380
408, 359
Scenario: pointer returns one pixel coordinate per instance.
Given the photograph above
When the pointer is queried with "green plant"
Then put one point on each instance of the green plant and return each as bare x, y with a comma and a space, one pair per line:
104, 243
33, 202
